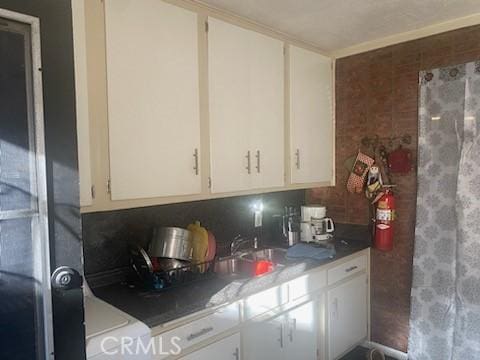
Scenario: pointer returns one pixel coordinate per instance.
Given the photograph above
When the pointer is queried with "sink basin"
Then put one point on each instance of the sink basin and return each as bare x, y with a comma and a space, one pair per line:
250, 264
275, 255
234, 266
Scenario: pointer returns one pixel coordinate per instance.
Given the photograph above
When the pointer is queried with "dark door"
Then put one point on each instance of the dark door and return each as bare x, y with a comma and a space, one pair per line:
41, 300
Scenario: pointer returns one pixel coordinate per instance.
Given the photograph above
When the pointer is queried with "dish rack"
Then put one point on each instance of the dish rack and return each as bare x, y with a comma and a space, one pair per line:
152, 277
169, 278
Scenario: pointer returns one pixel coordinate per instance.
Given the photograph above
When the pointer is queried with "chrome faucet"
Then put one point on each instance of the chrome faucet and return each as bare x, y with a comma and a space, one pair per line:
238, 241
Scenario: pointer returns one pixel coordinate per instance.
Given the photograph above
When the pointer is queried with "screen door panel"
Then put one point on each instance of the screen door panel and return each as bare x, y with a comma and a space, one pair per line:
24, 271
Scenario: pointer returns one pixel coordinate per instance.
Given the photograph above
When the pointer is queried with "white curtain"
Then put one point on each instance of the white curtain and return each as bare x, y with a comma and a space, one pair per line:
445, 315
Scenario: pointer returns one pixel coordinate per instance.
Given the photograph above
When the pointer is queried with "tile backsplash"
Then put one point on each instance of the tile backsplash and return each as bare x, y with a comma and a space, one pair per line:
106, 234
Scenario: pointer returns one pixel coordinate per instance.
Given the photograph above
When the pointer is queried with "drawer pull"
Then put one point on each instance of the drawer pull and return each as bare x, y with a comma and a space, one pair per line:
292, 328
195, 157
236, 354
248, 167
351, 268
199, 333
280, 339
297, 156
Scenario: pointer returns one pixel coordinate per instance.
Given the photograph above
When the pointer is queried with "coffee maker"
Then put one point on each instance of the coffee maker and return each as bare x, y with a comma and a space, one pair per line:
315, 226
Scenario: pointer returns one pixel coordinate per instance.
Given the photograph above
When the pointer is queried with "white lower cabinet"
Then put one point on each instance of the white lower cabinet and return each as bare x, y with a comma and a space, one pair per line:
277, 324
302, 332
225, 349
264, 340
347, 315
291, 335
195, 332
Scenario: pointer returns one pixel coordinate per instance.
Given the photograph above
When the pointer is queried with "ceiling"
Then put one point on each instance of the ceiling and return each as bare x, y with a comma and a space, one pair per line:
332, 25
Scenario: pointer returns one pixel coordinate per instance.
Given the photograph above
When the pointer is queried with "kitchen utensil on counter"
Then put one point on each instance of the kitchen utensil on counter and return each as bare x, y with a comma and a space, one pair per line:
309, 212
317, 230
288, 226
212, 247
171, 242
315, 226
293, 231
140, 261
263, 267
160, 273
165, 264
199, 243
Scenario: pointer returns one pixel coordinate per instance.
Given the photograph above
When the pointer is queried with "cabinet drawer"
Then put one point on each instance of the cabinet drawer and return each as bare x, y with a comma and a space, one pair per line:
225, 349
346, 269
264, 301
199, 330
307, 284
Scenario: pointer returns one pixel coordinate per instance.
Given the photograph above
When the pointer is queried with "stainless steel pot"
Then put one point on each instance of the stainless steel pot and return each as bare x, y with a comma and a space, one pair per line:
171, 242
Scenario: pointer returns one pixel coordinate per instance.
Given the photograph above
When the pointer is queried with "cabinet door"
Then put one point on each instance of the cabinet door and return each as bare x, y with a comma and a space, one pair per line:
153, 99
265, 340
302, 325
311, 122
347, 323
246, 93
231, 159
267, 122
225, 349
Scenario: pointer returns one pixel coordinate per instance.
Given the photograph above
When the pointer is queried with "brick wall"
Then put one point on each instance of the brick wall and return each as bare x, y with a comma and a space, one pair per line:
377, 93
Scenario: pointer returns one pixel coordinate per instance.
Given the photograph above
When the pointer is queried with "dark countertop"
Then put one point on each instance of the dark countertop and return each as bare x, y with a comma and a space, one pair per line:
157, 308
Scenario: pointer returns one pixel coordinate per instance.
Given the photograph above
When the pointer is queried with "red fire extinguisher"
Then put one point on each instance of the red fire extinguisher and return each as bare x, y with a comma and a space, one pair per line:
384, 217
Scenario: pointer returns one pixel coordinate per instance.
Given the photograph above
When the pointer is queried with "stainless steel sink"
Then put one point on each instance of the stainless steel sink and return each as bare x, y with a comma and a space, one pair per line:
234, 266
244, 265
275, 255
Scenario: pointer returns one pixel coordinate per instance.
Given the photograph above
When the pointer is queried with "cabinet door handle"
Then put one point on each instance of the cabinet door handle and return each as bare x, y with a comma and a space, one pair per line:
236, 354
351, 268
248, 167
335, 308
201, 332
195, 157
297, 157
293, 328
257, 155
281, 336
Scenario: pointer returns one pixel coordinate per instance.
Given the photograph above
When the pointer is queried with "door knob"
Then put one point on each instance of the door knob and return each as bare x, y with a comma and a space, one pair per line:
66, 278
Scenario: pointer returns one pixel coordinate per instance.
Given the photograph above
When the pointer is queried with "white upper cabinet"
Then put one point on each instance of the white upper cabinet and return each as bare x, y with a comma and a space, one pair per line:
311, 117
246, 106
81, 102
163, 95
267, 120
228, 73
153, 99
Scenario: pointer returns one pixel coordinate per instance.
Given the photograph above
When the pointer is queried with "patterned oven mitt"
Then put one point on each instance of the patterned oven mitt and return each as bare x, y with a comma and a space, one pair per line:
359, 172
